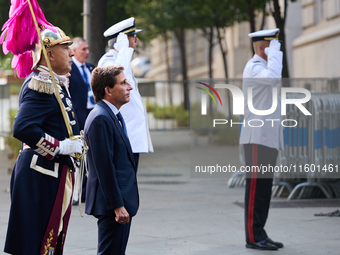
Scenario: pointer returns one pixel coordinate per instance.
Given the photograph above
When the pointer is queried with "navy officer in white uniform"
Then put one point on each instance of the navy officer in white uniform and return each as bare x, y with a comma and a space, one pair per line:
124, 40
262, 75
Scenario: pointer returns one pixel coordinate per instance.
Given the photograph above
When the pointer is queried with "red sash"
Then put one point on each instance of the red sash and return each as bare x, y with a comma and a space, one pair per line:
51, 240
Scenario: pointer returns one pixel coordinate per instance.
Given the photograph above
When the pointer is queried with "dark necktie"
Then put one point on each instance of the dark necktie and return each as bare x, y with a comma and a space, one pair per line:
120, 118
86, 80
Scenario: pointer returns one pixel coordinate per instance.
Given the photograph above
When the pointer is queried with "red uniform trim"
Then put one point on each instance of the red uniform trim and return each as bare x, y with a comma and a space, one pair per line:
49, 244
252, 195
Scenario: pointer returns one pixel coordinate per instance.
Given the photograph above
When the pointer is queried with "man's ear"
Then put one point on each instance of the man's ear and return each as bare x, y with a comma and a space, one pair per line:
108, 91
50, 55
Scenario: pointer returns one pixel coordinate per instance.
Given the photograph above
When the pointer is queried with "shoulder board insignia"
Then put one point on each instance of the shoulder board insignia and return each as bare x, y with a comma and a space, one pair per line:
42, 83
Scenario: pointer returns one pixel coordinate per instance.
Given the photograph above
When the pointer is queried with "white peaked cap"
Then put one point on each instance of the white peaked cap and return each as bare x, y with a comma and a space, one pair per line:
265, 35
126, 26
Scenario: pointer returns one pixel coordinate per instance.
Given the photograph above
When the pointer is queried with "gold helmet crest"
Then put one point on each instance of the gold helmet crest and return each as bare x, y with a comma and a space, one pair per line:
50, 39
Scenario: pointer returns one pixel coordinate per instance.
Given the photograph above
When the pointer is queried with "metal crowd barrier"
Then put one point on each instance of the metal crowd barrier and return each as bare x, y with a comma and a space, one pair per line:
314, 145
315, 141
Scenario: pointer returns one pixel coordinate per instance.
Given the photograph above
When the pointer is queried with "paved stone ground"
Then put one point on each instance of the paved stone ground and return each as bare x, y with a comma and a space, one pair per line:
182, 215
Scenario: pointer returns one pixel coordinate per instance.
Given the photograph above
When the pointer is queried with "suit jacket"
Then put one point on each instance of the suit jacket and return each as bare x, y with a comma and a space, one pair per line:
112, 179
78, 91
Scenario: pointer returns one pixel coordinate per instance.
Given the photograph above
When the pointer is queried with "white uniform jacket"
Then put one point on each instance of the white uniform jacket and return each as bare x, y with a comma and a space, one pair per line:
134, 112
262, 77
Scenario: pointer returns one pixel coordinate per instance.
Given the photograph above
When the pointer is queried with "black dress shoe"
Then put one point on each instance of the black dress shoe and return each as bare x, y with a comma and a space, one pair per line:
75, 202
262, 245
277, 244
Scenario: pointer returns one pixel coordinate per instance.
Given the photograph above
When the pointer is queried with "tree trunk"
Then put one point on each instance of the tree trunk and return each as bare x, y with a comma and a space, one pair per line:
167, 61
263, 21
224, 52
280, 23
180, 36
210, 38
97, 41
251, 14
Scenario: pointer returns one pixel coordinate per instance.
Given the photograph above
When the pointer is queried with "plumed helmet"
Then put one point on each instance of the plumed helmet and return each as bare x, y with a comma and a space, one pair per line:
50, 39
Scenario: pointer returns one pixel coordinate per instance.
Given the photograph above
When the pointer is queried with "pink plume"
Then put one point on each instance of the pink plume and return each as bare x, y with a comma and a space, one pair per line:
22, 64
19, 35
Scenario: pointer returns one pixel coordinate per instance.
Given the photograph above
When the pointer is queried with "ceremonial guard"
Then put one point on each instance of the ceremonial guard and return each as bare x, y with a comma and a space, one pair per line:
43, 176
124, 40
261, 78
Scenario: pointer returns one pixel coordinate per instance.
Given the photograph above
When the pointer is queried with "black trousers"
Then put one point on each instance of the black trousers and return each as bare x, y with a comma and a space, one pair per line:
258, 191
112, 236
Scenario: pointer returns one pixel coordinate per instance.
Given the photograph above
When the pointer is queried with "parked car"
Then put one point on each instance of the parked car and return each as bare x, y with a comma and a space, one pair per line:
140, 66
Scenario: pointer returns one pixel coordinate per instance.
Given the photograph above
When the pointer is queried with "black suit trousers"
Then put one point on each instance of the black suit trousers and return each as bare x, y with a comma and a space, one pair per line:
112, 236
258, 191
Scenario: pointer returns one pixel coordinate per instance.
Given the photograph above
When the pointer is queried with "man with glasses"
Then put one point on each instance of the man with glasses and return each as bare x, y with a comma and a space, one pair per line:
123, 41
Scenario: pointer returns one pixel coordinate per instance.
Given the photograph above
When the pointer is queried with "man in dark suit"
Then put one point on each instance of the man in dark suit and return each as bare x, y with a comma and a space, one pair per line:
80, 89
81, 95
112, 192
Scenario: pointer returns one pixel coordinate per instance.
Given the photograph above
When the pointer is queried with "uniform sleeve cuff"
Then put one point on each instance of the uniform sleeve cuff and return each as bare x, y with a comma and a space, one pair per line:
48, 146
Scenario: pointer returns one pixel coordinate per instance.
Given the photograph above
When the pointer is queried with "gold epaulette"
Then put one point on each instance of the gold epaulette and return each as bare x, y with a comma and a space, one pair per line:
42, 83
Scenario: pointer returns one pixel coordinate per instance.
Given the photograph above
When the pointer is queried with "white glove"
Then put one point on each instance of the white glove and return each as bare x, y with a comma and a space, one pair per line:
70, 147
274, 45
122, 42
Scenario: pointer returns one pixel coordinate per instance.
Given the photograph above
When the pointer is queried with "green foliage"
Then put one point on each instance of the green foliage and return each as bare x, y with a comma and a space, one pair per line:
13, 143
64, 14
170, 112
182, 117
15, 89
202, 125
150, 107
166, 112
5, 61
159, 17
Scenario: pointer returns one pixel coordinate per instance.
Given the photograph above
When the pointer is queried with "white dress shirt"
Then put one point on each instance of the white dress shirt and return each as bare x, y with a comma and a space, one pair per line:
90, 105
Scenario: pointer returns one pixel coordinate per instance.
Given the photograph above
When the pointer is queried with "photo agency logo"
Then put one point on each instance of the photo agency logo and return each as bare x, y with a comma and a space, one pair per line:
238, 104
204, 97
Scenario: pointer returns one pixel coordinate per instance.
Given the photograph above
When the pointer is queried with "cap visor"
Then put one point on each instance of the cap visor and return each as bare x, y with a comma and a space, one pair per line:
135, 32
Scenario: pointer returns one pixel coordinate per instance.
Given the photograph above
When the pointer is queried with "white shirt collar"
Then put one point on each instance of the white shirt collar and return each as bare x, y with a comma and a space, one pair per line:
77, 63
258, 58
112, 107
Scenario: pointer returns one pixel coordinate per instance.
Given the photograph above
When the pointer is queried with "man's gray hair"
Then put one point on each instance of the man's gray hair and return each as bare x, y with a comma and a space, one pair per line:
111, 42
76, 41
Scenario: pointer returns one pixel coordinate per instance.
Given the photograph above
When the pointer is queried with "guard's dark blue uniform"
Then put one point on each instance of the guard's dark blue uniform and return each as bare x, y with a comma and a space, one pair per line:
40, 176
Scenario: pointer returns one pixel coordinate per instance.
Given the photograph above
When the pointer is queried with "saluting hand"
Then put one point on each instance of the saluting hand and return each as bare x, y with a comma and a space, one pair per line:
122, 42
274, 45
122, 216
